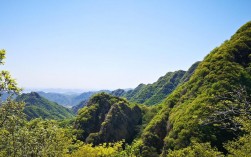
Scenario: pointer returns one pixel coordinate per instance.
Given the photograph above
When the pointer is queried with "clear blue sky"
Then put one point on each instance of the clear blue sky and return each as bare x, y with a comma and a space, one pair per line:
109, 44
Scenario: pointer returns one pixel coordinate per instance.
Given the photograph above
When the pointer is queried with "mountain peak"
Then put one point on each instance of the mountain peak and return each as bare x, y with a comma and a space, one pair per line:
244, 28
34, 95
37, 106
226, 68
107, 118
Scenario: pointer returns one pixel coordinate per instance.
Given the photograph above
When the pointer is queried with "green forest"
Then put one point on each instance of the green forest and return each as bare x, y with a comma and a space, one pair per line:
202, 112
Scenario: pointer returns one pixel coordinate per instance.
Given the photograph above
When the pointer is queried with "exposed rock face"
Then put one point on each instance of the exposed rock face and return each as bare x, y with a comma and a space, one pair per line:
107, 119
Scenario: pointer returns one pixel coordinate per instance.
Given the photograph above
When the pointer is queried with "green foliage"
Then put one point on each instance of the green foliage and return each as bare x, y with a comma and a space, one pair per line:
118, 92
148, 112
132, 150
154, 133
67, 123
242, 145
34, 138
21, 138
189, 72
10, 113
107, 118
224, 69
176, 127
108, 150
39, 107
154, 93
235, 115
11, 121
2, 56
196, 150
7, 84
102, 150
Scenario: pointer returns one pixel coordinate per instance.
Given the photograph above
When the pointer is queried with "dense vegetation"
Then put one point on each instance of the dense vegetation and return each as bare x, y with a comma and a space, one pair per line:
207, 113
152, 94
180, 121
107, 118
39, 107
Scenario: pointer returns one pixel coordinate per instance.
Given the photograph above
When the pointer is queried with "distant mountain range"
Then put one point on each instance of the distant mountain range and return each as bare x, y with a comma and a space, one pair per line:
55, 90
69, 100
194, 112
60, 98
149, 94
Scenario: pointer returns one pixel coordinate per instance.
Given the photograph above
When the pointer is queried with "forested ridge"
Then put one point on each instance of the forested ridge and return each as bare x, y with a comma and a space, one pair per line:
39, 107
204, 112
224, 70
155, 93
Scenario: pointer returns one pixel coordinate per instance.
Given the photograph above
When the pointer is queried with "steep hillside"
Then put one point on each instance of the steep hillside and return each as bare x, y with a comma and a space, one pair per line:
118, 92
152, 94
181, 119
189, 73
107, 119
37, 106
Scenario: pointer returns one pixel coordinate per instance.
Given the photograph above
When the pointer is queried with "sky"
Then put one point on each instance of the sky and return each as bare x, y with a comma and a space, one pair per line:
110, 44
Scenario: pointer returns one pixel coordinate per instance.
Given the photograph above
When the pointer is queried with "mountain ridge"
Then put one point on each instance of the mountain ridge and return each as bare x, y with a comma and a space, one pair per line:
222, 70
39, 107
107, 118
154, 93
